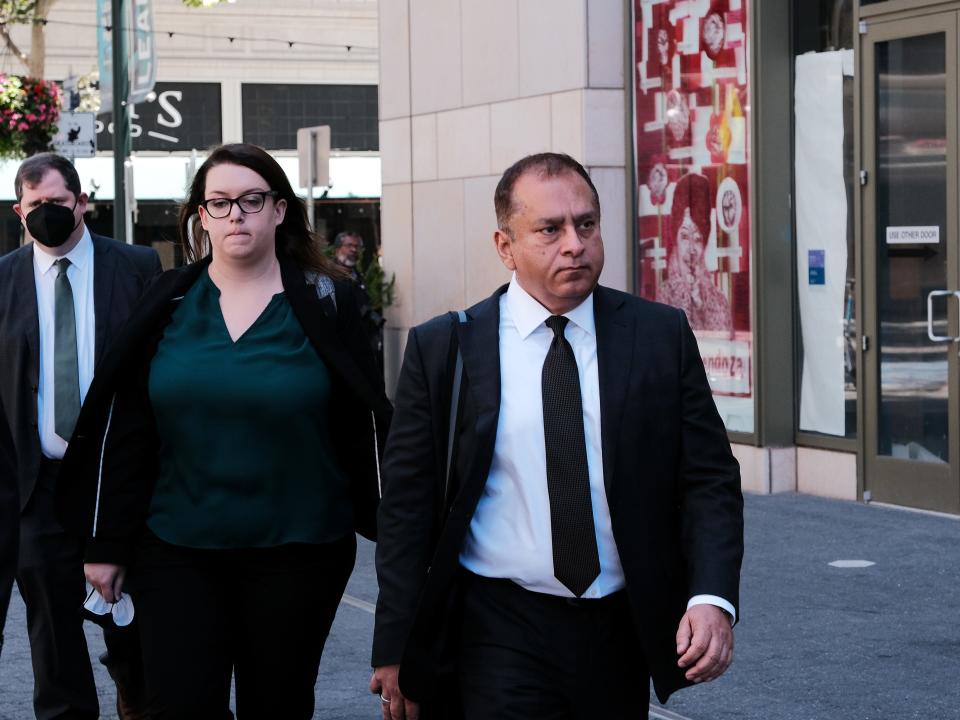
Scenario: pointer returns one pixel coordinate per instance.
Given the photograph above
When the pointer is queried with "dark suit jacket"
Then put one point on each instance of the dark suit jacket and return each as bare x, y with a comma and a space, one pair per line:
673, 485
120, 273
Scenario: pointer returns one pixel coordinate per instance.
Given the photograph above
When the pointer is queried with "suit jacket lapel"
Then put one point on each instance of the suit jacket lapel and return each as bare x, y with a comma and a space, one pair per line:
319, 321
479, 341
614, 359
104, 270
27, 289
479, 345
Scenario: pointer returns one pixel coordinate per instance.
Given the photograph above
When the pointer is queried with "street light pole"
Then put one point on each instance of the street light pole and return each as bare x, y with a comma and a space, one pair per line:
121, 118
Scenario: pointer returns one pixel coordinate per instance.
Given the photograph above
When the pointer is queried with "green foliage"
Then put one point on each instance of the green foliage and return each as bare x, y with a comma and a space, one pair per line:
17, 11
29, 110
382, 292
203, 3
379, 288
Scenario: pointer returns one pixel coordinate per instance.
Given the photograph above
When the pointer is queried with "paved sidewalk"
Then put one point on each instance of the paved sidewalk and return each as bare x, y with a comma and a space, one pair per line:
821, 642
816, 642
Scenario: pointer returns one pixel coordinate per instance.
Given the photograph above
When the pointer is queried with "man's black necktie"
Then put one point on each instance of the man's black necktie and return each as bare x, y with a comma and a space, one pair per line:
66, 367
576, 562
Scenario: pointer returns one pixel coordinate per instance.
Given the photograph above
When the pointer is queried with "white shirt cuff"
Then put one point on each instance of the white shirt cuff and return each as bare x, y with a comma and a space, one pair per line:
714, 600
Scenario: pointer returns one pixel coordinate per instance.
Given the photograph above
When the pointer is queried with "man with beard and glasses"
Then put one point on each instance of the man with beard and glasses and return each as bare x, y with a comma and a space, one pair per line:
63, 296
348, 249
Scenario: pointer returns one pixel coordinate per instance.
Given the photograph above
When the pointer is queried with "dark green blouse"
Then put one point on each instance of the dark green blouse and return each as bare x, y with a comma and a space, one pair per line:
245, 455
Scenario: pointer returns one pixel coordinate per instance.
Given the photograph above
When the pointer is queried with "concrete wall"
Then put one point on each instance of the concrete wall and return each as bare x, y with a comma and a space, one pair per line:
811, 471
468, 87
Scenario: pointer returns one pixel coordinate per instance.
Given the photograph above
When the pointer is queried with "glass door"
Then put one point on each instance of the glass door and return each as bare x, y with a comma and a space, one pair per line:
911, 271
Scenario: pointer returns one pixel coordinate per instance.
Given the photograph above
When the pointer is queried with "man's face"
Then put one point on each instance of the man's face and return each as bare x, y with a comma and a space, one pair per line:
52, 188
348, 254
556, 249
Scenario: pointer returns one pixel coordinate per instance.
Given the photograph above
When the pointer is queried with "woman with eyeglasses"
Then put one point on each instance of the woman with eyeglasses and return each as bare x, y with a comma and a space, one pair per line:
228, 450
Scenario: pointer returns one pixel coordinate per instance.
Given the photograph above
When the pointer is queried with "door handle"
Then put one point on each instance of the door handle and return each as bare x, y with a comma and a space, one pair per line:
930, 333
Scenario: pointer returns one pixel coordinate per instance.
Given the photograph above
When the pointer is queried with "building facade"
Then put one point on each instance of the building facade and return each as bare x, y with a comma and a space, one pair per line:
785, 171
253, 71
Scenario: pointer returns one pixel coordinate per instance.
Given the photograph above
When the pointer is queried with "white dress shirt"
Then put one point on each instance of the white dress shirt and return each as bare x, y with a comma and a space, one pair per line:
80, 275
510, 535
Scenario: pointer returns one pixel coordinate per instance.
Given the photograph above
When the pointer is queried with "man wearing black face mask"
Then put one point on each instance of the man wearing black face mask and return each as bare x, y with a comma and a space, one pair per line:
63, 295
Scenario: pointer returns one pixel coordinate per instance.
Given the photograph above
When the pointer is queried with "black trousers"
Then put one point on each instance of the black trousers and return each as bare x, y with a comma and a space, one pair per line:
51, 582
261, 613
9, 542
530, 656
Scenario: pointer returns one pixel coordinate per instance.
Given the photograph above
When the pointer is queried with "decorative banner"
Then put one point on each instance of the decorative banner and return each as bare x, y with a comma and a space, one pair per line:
142, 56
105, 55
143, 52
693, 150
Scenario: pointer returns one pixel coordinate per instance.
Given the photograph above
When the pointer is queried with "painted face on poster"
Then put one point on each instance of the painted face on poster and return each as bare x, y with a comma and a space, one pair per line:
730, 205
657, 182
713, 34
678, 118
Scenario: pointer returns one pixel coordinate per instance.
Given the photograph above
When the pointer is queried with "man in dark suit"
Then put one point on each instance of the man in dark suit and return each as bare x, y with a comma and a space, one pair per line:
589, 534
62, 296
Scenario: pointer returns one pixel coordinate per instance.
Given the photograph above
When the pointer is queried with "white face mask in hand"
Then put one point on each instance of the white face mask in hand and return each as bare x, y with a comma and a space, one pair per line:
101, 612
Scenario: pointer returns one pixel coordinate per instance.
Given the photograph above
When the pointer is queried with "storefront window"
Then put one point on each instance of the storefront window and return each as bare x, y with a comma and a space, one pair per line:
693, 153
824, 213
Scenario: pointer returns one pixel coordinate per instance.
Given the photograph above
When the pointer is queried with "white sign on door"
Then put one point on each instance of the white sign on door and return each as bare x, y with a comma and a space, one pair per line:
913, 235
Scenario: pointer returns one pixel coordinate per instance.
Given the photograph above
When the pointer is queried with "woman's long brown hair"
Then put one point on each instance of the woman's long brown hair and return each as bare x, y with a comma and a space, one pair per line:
294, 236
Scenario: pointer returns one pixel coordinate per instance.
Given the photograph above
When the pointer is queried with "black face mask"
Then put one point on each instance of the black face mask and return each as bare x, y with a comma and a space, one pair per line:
51, 225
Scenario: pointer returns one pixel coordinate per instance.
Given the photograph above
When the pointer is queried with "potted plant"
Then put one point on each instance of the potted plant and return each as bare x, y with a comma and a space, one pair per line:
29, 110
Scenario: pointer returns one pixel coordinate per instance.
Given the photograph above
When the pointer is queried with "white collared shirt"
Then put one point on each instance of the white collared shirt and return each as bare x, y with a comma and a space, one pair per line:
510, 535
80, 275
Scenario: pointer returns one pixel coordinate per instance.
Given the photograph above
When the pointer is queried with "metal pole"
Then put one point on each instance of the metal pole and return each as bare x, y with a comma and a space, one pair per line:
312, 175
121, 117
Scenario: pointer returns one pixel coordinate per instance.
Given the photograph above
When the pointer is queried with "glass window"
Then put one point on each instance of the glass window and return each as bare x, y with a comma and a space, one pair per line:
824, 216
692, 120
911, 210
273, 113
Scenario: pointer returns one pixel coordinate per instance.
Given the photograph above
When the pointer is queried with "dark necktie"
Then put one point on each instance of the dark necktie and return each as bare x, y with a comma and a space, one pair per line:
576, 562
66, 368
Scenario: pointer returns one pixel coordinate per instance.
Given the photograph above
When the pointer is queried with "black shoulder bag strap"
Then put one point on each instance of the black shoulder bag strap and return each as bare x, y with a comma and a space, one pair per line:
454, 409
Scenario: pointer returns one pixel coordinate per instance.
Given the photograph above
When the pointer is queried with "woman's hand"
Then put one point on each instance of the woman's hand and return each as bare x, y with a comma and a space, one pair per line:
106, 578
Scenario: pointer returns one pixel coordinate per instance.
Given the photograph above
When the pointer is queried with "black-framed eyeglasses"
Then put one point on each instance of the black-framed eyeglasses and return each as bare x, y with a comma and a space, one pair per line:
252, 202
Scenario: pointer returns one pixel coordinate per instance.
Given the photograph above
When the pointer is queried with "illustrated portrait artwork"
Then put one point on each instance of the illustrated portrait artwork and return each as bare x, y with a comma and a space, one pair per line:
689, 285
693, 175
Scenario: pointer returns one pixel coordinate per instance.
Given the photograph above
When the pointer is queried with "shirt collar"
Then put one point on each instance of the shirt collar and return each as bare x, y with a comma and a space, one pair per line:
79, 256
528, 314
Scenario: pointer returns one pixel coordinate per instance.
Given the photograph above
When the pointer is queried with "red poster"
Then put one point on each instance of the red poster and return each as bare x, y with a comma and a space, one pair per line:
693, 150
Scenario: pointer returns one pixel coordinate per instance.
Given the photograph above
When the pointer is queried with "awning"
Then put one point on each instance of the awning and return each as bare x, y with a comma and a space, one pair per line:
167, 177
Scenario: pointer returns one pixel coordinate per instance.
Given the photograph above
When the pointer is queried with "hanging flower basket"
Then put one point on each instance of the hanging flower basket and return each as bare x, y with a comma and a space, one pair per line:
29, 110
